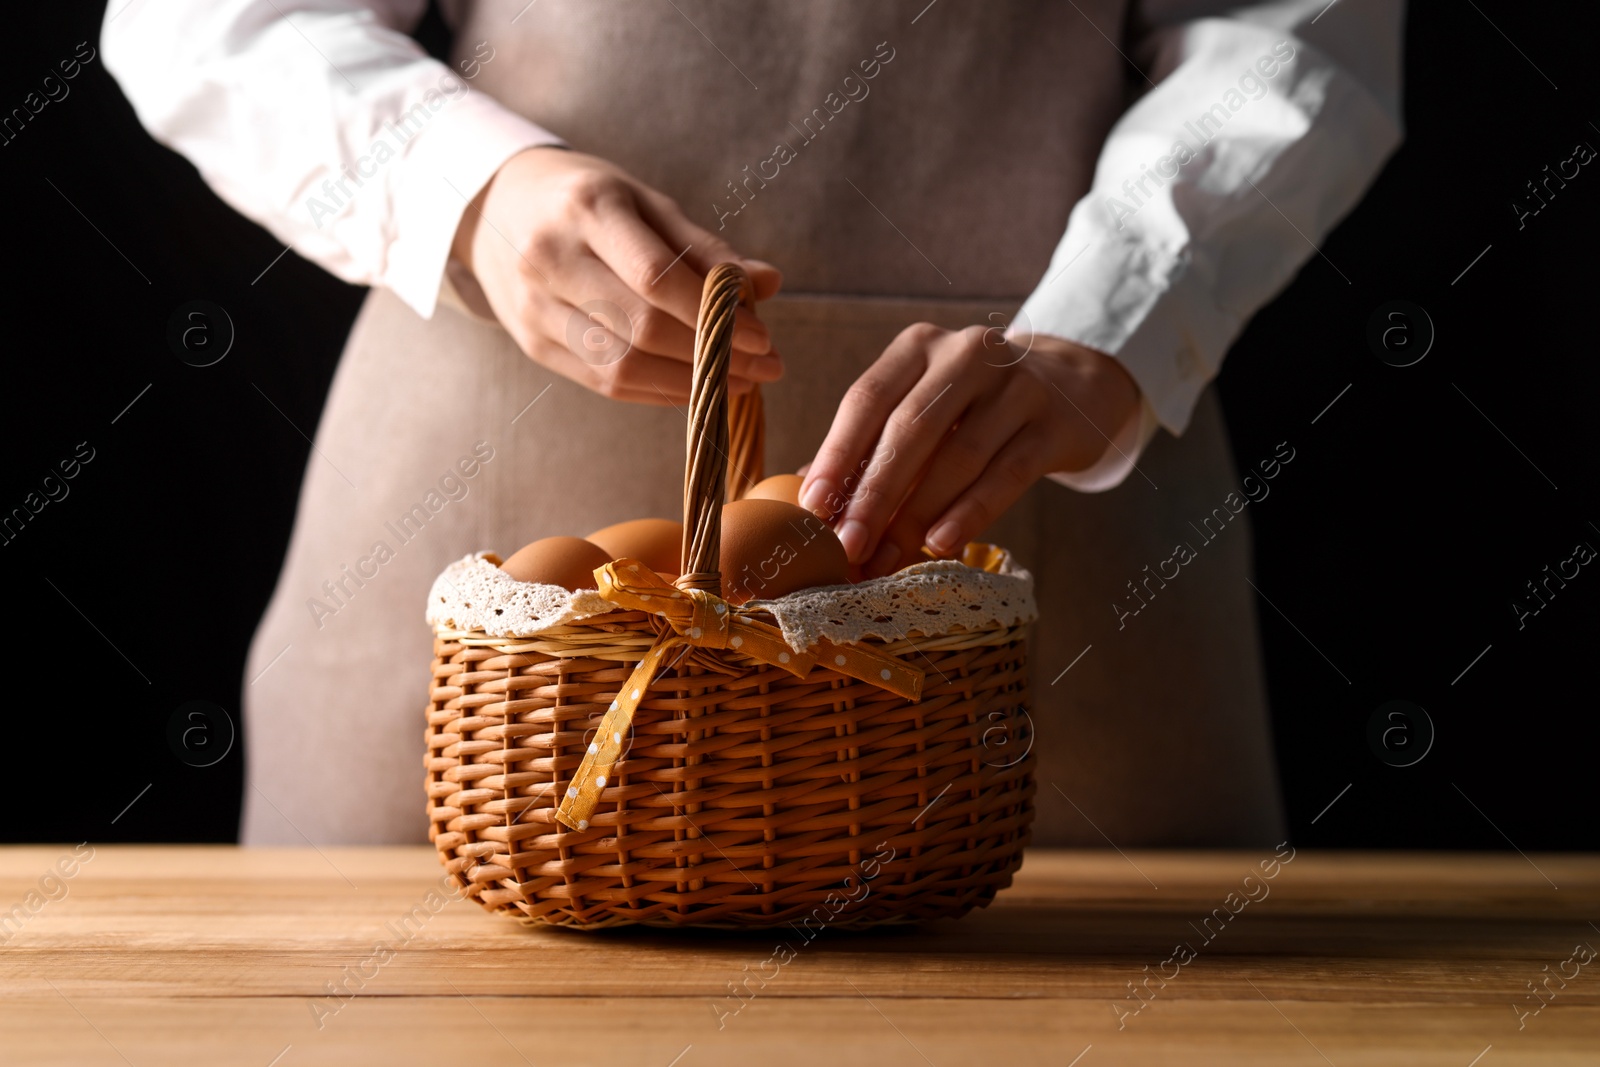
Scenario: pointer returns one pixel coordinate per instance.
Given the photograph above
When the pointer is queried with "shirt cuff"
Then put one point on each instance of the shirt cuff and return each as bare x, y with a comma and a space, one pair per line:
449, 163
1120, 457
1145, 307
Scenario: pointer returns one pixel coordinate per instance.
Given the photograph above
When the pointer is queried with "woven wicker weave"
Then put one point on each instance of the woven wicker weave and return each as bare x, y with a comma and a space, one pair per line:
751, 798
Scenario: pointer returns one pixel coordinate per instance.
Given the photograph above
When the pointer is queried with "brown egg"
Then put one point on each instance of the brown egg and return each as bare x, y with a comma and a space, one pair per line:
770, 548
569, 562
657, 543
784, 487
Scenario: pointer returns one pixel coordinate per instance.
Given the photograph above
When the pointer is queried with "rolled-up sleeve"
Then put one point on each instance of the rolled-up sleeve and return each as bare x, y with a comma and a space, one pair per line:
1260, 127
322, 121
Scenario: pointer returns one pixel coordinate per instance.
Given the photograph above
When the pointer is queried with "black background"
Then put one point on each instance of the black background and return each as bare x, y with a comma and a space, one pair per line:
1396, 543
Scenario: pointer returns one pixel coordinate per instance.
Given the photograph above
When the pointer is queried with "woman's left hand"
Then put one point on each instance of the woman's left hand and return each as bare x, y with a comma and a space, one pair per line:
948, 429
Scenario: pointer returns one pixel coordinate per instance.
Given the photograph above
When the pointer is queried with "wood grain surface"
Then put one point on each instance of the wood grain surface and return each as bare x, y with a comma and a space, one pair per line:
217, 955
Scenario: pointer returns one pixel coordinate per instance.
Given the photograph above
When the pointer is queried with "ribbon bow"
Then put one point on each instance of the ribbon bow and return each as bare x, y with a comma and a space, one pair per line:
702, 620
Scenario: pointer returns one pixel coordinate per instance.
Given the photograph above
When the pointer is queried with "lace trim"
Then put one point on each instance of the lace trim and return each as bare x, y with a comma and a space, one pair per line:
932, 598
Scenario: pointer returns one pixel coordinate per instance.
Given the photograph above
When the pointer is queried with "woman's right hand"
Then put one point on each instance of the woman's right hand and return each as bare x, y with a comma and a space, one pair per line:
560, 242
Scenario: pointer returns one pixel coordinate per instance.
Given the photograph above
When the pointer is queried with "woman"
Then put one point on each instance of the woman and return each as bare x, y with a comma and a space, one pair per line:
536, 219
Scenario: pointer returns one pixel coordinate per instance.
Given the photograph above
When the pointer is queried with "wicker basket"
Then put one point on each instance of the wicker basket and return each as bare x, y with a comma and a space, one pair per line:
742, 795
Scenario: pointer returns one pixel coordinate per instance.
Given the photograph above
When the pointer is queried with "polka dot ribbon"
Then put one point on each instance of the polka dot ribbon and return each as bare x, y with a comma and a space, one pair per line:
703, 620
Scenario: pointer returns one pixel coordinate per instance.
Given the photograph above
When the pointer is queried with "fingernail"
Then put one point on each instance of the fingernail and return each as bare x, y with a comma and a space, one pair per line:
815, 498
759, 264
943, 540
883, 560
853, 536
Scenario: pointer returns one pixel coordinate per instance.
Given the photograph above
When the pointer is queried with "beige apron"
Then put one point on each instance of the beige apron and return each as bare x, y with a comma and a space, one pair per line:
936, 192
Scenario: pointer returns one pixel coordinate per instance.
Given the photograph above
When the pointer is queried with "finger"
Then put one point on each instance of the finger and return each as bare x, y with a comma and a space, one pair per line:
704, 248
1011, 472
604, 360
661, 396
638, 377
624, 238
901, 544
675, 290
557, 334
700, 250
642, 371
767, 367
957, 464
838, 465
765, 279
910, 435
594, 288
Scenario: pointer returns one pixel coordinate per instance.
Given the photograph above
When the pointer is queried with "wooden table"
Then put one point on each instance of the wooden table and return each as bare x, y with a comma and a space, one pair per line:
215, 955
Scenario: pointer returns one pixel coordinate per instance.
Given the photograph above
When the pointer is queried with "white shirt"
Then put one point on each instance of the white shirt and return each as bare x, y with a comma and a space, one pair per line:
281, 105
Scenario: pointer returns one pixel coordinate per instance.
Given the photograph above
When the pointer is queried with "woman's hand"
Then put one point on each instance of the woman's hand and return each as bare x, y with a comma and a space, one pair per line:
561, 243
948, 429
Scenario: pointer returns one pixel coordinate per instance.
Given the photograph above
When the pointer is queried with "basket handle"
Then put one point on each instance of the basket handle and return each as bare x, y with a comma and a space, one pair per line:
709, 475
747, 432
